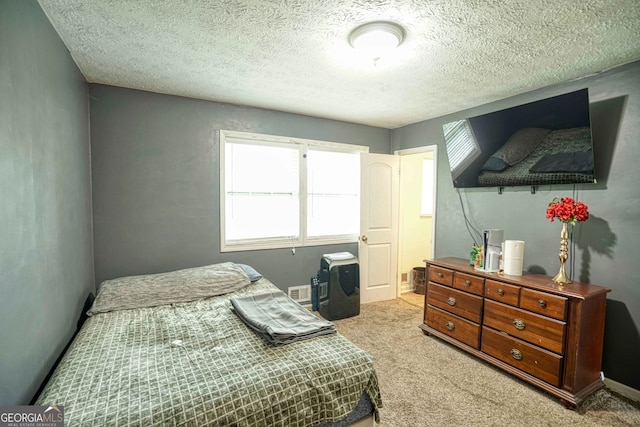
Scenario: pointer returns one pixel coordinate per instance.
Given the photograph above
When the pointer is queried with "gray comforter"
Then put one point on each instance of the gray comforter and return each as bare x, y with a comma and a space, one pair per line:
122, 369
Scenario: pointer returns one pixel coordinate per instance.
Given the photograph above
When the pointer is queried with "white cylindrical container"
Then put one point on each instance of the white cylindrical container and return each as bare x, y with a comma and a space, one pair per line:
513, 257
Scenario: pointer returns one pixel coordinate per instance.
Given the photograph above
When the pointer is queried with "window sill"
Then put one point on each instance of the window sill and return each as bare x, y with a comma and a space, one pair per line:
240, 247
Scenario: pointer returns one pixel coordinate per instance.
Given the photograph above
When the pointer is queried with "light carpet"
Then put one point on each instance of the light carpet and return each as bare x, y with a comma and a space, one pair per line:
427, 382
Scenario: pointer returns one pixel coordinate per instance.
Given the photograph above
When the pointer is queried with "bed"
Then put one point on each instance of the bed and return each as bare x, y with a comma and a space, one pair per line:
168, 349
554, 157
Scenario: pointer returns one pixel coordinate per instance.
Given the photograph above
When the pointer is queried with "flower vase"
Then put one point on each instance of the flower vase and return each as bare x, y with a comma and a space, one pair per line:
561, 278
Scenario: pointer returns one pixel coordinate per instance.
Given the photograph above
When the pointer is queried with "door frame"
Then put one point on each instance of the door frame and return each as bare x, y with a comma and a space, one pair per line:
404, 152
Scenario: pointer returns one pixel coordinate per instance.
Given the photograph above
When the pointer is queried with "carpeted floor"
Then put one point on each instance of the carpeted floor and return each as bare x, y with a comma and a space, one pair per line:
427, 382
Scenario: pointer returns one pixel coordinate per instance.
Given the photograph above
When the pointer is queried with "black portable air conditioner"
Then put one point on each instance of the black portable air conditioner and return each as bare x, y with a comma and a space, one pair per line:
336, 288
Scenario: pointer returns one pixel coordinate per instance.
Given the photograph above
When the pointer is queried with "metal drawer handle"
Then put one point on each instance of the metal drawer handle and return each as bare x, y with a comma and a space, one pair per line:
500, 292
516, 354
542, 303
450, 326
440, 275
451, 301
467, 283
519, 324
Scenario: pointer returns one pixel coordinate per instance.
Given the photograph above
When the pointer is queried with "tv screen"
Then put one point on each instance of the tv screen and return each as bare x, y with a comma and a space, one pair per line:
539, 143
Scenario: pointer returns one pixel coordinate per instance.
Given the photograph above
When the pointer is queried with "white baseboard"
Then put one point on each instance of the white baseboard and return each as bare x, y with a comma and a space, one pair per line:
622, 389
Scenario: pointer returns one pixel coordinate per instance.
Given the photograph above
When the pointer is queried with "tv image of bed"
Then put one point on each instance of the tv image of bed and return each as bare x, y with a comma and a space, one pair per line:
544, 142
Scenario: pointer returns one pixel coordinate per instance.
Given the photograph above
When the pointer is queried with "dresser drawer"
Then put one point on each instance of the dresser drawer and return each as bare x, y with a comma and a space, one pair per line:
468, 283
538, 362
503, 292
454, 326
461, 303
441, 275
543, 303
539, 330
548, 336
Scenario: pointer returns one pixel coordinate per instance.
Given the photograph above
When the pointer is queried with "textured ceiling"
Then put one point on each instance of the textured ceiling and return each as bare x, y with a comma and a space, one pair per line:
294, 56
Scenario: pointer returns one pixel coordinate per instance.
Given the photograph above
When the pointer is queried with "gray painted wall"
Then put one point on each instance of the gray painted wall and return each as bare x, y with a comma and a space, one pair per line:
605, 248
155, 171
46, 262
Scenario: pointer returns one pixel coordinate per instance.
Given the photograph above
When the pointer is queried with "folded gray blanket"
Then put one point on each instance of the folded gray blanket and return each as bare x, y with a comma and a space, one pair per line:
279, 319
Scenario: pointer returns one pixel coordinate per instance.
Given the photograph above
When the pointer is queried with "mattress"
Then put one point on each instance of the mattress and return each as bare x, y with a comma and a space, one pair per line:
195, 363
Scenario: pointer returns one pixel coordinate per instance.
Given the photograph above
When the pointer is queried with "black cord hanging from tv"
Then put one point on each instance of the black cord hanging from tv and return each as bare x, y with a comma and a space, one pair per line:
468, 224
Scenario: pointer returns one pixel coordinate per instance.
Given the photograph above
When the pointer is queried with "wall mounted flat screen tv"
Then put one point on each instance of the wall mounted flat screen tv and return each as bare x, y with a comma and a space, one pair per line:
539, 143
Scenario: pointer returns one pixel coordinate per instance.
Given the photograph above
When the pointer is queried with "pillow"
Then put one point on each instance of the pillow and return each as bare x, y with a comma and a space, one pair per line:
580, 162
495, 165
254, 276
167, 288
520, 145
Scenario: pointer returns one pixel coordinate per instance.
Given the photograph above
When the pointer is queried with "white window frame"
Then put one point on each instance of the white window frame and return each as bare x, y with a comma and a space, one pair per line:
303, 239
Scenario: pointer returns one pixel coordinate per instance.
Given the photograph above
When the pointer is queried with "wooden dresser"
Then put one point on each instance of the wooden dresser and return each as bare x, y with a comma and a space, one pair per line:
546, 335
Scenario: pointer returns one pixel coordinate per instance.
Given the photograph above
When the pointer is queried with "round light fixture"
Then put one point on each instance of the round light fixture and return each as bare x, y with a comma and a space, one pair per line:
377, 37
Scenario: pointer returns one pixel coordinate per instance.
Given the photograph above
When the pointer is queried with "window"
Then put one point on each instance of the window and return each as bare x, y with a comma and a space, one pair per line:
333, 199
280, 192
462, 147
427, 187
261, 191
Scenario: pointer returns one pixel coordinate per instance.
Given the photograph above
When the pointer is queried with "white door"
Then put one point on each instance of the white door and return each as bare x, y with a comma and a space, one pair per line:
378, 246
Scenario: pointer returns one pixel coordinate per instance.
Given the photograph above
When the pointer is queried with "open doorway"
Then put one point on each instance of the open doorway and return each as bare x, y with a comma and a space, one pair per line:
417, 200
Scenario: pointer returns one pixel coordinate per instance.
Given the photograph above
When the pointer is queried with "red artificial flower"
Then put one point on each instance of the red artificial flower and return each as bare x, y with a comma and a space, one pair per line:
567, 210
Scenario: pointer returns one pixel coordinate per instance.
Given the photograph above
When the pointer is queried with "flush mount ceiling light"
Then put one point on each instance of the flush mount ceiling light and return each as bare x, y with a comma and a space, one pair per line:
376, 38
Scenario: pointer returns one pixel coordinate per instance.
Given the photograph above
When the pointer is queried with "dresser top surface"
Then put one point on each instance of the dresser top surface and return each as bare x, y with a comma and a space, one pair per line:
528, 280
